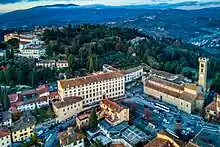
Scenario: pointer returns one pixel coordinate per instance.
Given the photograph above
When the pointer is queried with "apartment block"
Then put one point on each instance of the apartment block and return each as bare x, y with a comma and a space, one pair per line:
93, 88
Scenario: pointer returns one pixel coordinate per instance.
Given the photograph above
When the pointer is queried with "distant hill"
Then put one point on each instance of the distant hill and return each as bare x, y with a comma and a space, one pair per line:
200, 27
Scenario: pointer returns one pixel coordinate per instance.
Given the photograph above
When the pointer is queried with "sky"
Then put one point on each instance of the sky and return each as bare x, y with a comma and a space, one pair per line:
10, 5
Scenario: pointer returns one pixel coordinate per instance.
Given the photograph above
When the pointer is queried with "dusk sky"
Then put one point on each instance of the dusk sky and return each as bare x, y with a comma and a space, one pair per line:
10, 5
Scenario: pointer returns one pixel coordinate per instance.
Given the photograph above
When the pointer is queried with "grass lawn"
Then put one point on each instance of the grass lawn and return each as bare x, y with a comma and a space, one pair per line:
42, 114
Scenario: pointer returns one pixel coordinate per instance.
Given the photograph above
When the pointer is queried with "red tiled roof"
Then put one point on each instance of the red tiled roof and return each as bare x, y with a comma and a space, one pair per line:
54, 94
83, 116
14, 98
4, 133
212, 106
42, 89
112, 105
89, 79
40, 99
159, 142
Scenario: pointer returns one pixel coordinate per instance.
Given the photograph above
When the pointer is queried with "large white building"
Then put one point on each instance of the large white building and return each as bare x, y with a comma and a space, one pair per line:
93, 88
33, 52
130, 74
133, 74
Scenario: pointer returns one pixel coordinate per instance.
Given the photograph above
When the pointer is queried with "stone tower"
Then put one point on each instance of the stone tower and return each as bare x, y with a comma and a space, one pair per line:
218, 102
203, 63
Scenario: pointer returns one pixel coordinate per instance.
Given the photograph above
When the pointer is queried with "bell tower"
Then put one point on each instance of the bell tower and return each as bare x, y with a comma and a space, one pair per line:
203, 63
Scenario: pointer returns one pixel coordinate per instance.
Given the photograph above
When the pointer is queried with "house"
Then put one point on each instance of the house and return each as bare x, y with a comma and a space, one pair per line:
71, 138
34, 51
23, 128
113, 112
93, 88
31, 104
62, 64
82, 120
162, 140
5, 119
54, 96
46, 63
213, 109
5, 137
67, 107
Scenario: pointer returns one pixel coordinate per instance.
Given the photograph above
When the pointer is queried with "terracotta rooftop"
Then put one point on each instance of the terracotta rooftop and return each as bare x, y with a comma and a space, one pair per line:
117, 145
4, 133
167, 83
83, 116
42, 89
190, 144
54, 94
67, 101
40, 99
174, 138
25, 121
187, 97
212, 106
112, 105
159, 142
184, 96
70, 136
14, 98
89, 79
163, 90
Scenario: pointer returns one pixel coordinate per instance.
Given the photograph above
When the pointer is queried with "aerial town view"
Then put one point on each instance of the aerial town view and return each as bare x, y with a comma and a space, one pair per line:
92, 73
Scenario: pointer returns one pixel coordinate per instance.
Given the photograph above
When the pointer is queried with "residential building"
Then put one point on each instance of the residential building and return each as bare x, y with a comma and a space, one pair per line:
71, 138
31, 104
54, 96
82, 120
187, 98
52, 64
67, 107
46, 63
133, 74
122, 133
113, 112
23, 128
62, 64
5, 137
35, 51
5, 119
10, 36
93, 88
213, 110
108, 68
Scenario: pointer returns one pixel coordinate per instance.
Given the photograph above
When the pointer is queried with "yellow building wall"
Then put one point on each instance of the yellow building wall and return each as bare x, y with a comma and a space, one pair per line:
183, 105
168, 138
21, 135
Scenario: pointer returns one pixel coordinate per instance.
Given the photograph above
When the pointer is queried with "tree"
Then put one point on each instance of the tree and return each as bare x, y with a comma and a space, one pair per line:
6, 101
20, 77
93, 119
97, 143
2, 77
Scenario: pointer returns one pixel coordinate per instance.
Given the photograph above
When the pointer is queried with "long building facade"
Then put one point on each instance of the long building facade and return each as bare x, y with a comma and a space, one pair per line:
187, 97
93, 88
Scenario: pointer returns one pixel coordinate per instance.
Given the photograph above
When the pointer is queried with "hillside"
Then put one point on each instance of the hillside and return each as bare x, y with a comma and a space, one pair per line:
90, 46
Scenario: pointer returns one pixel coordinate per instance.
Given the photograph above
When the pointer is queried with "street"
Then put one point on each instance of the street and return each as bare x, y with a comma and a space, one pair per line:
165, 115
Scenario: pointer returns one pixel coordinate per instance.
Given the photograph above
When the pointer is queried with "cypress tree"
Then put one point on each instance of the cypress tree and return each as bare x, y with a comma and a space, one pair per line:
93, 119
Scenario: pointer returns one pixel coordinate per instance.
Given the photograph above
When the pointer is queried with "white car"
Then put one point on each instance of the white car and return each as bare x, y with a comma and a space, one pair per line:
166, 121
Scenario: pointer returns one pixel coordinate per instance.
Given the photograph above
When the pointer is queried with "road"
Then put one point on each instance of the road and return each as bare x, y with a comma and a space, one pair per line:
53, 140
195, 123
